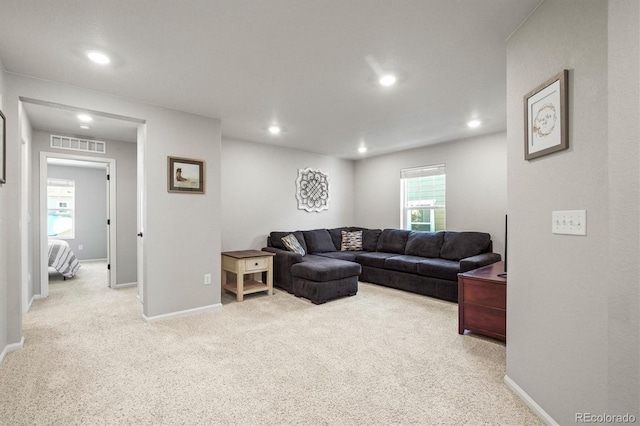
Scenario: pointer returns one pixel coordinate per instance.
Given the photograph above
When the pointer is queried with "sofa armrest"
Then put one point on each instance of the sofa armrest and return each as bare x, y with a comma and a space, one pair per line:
478, 261
282, 263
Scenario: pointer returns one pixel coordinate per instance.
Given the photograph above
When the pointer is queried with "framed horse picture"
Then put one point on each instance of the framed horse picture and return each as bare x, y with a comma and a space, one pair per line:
185, 175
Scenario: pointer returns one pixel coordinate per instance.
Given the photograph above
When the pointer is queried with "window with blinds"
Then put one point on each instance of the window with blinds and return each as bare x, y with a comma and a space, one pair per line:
423, 198
61, 201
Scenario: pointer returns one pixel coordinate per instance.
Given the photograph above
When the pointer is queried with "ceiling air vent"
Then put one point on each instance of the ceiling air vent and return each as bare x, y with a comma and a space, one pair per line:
74, 144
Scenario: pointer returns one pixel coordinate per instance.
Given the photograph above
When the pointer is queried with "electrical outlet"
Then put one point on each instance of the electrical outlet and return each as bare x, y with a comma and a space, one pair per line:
569, 222
80, 247
207, 279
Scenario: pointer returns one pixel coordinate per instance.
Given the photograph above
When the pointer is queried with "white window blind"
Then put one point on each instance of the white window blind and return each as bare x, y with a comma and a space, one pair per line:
423, 200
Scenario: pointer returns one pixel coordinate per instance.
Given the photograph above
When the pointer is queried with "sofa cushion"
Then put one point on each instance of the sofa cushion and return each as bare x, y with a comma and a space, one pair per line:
439, 268
425, 244
291, 243
373, 259
276, 239
351, 241
393, 241
319, 268
318, 241
370, 239
336, 235
403, 263
342, 255
458, 245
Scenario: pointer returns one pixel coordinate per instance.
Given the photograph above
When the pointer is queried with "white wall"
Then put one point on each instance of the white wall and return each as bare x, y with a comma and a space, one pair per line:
476, 185
259, 193
4, 317
178, 226
26, 201
125, 154
572, 315
90, 209
624, 201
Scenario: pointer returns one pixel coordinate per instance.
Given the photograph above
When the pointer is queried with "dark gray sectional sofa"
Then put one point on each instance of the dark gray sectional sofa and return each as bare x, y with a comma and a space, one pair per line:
421, 262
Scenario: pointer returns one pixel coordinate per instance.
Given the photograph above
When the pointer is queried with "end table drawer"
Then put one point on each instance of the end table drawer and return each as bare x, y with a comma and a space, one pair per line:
485, 294
256, 264
483, 319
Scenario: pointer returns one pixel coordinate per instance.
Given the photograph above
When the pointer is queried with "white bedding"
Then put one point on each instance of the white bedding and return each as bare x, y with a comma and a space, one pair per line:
62, 258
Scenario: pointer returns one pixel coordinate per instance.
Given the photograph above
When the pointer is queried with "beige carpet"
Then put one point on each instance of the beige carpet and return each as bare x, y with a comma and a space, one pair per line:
381, 357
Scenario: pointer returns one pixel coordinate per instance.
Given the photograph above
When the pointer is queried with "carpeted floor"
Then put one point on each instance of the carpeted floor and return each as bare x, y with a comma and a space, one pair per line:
381, 357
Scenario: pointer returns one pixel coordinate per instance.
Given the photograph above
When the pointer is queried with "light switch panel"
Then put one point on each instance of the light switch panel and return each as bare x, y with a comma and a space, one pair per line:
569, 222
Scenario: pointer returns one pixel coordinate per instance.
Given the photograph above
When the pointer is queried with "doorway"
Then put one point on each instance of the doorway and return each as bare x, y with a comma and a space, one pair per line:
107, 166
42, 119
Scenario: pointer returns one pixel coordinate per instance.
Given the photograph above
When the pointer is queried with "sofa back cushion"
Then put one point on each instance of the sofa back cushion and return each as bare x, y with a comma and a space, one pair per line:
393, 241
370, 239
424, 244
336, 235
276, 239
458, 245
318, 241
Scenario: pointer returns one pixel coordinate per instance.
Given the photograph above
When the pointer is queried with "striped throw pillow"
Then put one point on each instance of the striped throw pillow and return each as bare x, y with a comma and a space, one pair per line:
291, 242
351, 241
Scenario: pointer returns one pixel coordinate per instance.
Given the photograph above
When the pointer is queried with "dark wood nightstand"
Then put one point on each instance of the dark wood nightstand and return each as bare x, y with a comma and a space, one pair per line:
482, 301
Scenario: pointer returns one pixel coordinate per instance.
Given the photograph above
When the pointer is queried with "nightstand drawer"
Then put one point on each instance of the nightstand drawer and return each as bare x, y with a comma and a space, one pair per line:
486, 294
256, 264
485, 320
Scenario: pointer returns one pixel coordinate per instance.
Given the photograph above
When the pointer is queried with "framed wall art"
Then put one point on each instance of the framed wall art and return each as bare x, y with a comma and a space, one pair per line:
185, 175
546, 117
3, 149
312, 190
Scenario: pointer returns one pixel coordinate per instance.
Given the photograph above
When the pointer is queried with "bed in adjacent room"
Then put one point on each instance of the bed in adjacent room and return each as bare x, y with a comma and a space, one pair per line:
62, 258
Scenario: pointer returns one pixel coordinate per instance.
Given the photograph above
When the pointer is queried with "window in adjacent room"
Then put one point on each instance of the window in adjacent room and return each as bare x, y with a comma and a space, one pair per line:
60, 208
423, 198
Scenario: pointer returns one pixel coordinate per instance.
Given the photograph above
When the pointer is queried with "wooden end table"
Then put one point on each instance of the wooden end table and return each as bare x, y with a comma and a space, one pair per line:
482, 301
247, 262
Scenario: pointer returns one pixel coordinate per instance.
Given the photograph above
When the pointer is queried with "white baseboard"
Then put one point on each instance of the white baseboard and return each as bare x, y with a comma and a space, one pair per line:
544, 416
92, 260
10, 348
126, 285
34, 297
182, 313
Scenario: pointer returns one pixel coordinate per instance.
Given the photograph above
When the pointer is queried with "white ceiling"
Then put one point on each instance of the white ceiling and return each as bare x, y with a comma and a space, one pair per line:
65, 121
309, 65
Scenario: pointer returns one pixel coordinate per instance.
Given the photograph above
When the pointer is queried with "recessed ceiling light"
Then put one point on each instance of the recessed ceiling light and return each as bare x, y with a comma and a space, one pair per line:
85, 127
388, 80
98, 58
474, 123
274, 130
362, 149
84, 118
